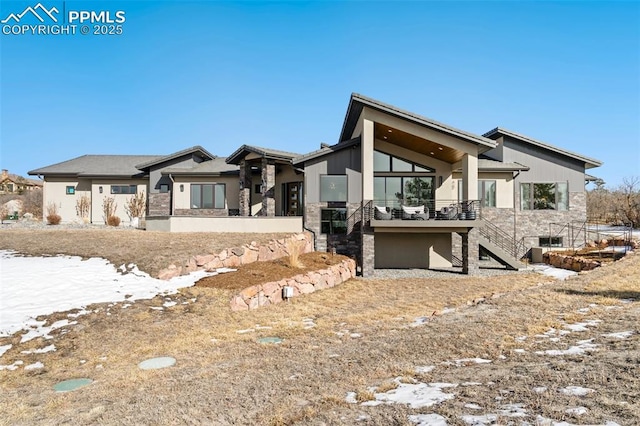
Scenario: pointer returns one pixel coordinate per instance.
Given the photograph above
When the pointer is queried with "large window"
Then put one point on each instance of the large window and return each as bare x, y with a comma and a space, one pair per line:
70, 190
400, 182
544, 196
394, 191
387, 163
333, 188
486, 192
124, 189
333, 221
550, 241
208, 196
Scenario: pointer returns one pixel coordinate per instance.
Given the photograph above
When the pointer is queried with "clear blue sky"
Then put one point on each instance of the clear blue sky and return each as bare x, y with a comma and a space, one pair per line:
280, 75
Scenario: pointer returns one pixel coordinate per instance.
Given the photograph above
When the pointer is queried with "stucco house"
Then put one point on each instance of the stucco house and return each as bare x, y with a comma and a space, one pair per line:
398, 190
14, 184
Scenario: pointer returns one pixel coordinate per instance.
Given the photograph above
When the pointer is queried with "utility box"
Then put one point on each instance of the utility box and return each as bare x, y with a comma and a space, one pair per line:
287, 292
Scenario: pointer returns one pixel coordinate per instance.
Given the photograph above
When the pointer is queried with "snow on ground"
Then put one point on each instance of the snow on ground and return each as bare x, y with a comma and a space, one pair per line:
557, 273
33, 286
415, 395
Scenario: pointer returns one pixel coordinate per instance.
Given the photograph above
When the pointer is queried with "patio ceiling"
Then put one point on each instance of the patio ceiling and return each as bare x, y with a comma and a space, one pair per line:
417, 144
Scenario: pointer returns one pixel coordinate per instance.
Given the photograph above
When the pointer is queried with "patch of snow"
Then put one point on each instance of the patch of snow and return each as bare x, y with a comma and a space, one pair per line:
576, 391
44, 350
583, 310
447, 311
521, 338
155, 308
550, 271
35, 366
11, 367
245, 331
513, 410
582, 347
351, 398
419, 321
473, 406
543, 421
355, 335
425, 369
169, 304
428, 420
485, 419
540, 389
467, 361
520, 351
5, 348
582, 326
79, 313
576, 411
415, 395
362, 418
471, 384
38, 329
620, 334
33, 286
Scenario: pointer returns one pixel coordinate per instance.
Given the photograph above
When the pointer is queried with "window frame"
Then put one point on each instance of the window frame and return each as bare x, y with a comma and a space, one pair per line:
481, 191
556, 241
424, 169
214, 199
332, 221
130, 188
530, 203
70, 190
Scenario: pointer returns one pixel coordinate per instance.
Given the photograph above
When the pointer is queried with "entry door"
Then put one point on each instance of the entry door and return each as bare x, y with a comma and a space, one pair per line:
293, 197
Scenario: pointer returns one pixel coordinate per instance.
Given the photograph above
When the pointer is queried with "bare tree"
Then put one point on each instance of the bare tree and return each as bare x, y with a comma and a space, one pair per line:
627, 201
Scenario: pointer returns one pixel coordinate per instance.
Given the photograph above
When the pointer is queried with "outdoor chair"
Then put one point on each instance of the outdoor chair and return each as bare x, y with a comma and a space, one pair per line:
415, 213
382, 213
448, 213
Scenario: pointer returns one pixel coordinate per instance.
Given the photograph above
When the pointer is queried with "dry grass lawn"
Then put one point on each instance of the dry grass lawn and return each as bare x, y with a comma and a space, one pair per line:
350, 338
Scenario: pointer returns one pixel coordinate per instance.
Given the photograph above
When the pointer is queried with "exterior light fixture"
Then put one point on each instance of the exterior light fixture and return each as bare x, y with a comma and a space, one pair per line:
181, 187
100, 189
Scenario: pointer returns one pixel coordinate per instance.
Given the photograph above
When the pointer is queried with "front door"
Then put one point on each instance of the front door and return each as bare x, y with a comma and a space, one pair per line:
293, 199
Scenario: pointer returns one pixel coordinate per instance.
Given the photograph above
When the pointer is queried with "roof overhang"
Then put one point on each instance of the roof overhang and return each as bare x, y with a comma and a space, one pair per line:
198, 150
325, 150
358, 102
269, 154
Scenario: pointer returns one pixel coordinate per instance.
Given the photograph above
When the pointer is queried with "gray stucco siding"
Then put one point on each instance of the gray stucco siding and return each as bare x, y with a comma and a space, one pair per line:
544, 166
346, 161
155, 172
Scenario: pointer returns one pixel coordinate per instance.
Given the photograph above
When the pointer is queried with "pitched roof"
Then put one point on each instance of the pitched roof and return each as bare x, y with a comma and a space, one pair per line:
98, 165
269, 153
217, 166
20, 180
197, 149
326, 149
588, 162
358, 102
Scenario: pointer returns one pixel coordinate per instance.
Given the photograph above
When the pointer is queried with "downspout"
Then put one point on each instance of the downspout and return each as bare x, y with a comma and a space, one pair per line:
515, 203
171, 197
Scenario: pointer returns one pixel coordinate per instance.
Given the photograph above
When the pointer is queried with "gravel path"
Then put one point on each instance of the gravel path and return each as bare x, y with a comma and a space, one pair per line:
440, 273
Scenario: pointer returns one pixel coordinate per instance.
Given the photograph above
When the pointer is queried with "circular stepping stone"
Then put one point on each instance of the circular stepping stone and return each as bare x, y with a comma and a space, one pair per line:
155, 363
71, 385
270, 340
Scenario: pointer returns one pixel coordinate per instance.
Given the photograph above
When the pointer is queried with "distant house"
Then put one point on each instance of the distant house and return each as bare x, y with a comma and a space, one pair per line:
398, 190
15, 184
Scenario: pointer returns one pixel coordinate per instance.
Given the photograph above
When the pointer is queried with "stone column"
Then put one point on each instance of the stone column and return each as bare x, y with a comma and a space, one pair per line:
268, 188
470, 252
368, 253
245, 189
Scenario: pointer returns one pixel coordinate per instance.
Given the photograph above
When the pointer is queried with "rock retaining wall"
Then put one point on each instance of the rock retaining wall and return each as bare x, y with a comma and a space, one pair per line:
269, 293
247, 253
572, 263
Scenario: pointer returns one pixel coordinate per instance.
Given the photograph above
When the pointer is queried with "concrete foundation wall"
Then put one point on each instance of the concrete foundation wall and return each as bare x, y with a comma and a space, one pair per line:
412, 250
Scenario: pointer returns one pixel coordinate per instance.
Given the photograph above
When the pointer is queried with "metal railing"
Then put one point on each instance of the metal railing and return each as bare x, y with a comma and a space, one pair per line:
503, 240
436, 209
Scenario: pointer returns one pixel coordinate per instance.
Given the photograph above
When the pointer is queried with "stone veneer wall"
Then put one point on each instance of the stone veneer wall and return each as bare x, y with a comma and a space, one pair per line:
234, 257
269, 293
159, 204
